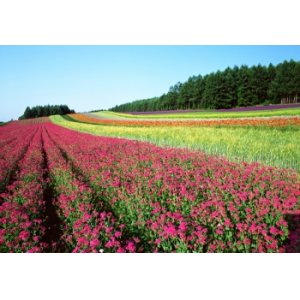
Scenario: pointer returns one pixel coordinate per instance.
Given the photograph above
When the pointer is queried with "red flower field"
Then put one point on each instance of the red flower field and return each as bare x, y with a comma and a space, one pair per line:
65, 191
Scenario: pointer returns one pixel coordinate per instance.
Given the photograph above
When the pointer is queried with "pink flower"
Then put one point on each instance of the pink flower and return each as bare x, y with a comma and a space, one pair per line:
94, 243
215, 214
182, 226
25, 225
154, 226
170, 230
82, 241
273, 245
24, 235
247, 241
240, 226
130, 247
2, 232
219, 231
157, 241
86, 217
274, 230
227, 223
156, 210
110, 244
118, 234
253, 228
34, 250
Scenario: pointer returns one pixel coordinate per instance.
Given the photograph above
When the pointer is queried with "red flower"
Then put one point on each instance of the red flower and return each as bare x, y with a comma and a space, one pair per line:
94, 243
170, 230
24, 235
131, 247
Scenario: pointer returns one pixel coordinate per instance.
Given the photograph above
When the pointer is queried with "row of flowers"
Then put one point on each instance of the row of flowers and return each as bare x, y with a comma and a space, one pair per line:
178, 200
87, 226
14, 143
22, 205
257, 122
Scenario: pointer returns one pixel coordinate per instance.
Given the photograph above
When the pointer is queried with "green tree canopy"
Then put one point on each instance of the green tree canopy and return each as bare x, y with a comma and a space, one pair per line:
45, 111
237, 86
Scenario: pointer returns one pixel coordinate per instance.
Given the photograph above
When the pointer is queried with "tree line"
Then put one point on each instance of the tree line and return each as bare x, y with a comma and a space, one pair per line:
237, 86
45, 111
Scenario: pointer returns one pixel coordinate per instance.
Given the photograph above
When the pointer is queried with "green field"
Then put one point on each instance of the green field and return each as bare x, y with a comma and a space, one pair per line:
203, 114
272, 146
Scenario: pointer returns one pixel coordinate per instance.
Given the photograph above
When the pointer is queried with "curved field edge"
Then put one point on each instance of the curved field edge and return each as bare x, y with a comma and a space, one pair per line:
279, 147
237, 122
201, 115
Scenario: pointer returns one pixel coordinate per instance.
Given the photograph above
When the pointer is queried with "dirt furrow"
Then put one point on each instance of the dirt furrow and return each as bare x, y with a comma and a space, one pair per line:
52, 223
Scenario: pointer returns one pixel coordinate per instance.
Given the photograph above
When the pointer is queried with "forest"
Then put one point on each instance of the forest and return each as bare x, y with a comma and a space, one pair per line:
45, 111
233, 87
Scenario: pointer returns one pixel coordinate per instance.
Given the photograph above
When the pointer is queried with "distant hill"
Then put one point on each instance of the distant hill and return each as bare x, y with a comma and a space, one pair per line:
234, 87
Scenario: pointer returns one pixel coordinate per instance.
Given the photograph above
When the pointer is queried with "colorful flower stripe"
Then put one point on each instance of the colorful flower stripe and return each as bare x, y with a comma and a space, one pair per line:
186, 201
23, 207
270, 122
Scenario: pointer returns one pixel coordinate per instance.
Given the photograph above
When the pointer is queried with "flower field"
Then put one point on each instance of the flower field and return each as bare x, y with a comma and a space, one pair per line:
67, 191
253, 122
277, 146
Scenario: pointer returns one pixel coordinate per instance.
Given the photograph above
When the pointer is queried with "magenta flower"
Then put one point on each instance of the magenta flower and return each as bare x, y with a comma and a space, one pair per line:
24, 235
131, 247
274, 230
94, 243
182, 226
118, 234
170, 230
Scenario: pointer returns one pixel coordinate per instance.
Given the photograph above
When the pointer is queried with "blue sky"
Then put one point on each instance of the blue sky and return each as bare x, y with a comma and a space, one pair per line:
99, 77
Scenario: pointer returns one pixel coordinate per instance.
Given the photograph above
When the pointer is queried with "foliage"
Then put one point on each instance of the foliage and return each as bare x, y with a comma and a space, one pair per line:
238, 86
45, 111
